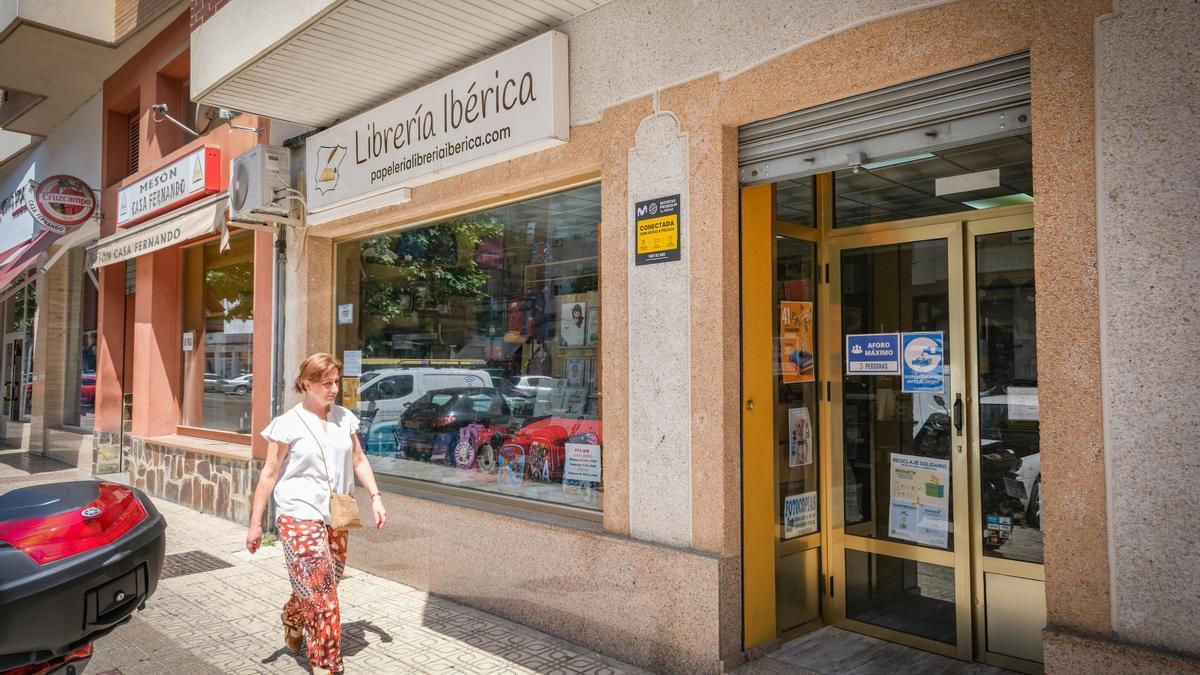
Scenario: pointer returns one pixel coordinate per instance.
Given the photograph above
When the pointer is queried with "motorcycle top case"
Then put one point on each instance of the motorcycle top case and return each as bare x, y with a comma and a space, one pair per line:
76, 560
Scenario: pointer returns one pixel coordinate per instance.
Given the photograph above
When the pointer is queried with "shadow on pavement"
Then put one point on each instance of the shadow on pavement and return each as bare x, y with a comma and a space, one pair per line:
354, 640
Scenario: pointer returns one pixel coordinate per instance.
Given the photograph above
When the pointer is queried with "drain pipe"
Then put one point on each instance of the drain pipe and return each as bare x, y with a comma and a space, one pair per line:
277, 336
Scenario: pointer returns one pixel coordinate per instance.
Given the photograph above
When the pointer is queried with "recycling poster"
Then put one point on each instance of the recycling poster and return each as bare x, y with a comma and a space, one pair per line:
920, 500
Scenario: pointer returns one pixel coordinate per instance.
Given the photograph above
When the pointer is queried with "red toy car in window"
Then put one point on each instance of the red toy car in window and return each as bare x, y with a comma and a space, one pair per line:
541, 447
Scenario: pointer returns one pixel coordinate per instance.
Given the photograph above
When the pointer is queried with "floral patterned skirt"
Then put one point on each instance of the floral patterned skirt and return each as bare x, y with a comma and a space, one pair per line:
316, 558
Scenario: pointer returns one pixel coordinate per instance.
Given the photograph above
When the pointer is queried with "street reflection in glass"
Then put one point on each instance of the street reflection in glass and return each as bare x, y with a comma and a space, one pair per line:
1010, 454
218, 325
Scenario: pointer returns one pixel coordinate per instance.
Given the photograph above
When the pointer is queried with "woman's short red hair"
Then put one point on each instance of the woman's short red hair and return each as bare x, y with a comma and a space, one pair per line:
315, 368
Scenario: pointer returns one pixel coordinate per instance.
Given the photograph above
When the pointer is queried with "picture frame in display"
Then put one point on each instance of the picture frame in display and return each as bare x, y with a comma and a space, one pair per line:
576, 372
593, 326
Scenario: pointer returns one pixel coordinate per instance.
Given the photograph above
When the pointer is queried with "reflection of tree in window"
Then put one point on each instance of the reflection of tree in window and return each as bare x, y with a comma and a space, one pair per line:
229, 293
411, 274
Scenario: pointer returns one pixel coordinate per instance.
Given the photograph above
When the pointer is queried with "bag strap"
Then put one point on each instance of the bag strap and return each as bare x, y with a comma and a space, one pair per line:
321, 448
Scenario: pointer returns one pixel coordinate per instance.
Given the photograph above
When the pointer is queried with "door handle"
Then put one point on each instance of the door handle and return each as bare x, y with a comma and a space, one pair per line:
958, 414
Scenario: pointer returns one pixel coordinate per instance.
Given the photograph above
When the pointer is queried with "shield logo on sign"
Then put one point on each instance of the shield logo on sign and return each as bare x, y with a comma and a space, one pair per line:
329, 159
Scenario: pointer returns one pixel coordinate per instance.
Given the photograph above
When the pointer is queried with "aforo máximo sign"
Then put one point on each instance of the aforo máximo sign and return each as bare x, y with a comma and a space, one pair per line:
512, 104
187, 179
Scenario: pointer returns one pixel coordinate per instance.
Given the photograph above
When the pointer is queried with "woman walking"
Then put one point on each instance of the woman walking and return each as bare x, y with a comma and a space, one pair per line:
313, 452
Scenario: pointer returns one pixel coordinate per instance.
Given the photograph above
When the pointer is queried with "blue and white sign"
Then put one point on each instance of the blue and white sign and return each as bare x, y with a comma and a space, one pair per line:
924, 363
873, 354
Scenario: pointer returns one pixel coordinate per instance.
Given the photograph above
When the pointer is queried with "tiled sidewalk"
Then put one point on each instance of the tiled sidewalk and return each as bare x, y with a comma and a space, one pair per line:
227, 620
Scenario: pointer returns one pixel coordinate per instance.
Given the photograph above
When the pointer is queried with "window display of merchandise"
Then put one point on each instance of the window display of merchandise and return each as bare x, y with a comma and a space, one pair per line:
479, 344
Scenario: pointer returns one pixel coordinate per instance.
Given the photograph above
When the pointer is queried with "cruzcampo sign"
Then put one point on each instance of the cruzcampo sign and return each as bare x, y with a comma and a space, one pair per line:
512, 104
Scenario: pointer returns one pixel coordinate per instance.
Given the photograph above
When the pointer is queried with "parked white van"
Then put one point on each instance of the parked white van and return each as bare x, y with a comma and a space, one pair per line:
386, 394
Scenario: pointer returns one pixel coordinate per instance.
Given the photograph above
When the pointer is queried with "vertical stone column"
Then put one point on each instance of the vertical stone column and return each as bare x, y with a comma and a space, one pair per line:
51, 335
1148, 76
660, 393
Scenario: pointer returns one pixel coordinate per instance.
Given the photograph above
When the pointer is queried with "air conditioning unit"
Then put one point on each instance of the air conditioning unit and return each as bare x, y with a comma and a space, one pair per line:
256, 181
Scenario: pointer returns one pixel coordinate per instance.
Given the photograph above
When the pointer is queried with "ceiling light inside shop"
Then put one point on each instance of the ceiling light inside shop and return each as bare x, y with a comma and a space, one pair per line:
1004, 200
871, 166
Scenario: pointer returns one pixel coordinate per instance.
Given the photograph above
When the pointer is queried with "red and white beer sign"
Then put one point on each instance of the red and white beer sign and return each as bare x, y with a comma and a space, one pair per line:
60, 203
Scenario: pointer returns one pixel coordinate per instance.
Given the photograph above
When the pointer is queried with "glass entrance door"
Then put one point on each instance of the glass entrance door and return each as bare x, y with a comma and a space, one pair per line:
1006, 502
935, 462
891, 461
900, 438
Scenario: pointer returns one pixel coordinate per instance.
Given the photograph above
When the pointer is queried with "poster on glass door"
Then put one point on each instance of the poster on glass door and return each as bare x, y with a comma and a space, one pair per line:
920, 500
800, 447
796, 341
800, 515
922, 363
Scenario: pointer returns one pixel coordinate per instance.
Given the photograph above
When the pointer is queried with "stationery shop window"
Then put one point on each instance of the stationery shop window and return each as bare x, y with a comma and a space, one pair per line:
472, 349
217, 335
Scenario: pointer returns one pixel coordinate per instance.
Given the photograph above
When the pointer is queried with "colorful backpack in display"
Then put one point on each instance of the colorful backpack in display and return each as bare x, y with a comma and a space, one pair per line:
510, 465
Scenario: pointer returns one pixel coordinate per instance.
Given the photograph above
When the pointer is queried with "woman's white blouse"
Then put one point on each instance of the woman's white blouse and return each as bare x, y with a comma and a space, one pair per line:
302, 490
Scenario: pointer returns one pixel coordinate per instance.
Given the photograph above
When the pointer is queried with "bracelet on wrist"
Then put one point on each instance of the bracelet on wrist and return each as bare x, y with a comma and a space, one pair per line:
376, 494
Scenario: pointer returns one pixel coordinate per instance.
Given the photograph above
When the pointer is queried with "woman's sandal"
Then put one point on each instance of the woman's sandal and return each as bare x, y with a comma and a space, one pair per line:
292, 635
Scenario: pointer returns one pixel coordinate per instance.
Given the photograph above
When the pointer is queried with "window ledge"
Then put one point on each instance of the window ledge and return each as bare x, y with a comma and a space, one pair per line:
204, 445
546, 514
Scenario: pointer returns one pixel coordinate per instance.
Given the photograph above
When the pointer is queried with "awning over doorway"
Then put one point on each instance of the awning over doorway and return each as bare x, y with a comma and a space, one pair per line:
24, 259
203, 217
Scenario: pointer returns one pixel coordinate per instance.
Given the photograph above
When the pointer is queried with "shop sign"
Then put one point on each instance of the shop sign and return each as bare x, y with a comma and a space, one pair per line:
185, 180
510, 105
656, 223
923, 369
174, 229
873, 354
60, 203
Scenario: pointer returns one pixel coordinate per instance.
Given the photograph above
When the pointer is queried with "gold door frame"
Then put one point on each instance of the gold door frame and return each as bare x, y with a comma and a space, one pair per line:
980, 563
762, 544
924, 229
761, 530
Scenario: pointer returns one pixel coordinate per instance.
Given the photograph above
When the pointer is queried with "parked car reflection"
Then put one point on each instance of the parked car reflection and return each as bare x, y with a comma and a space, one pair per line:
429, 428
239, 385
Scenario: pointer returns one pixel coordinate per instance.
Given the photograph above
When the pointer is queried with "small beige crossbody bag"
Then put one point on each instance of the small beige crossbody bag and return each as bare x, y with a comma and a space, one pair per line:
343, 510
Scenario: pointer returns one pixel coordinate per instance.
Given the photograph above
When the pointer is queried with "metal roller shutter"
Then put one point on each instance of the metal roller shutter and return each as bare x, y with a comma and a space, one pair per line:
977, 103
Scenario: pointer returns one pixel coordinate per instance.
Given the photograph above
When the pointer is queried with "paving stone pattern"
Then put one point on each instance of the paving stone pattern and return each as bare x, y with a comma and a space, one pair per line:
227, 620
